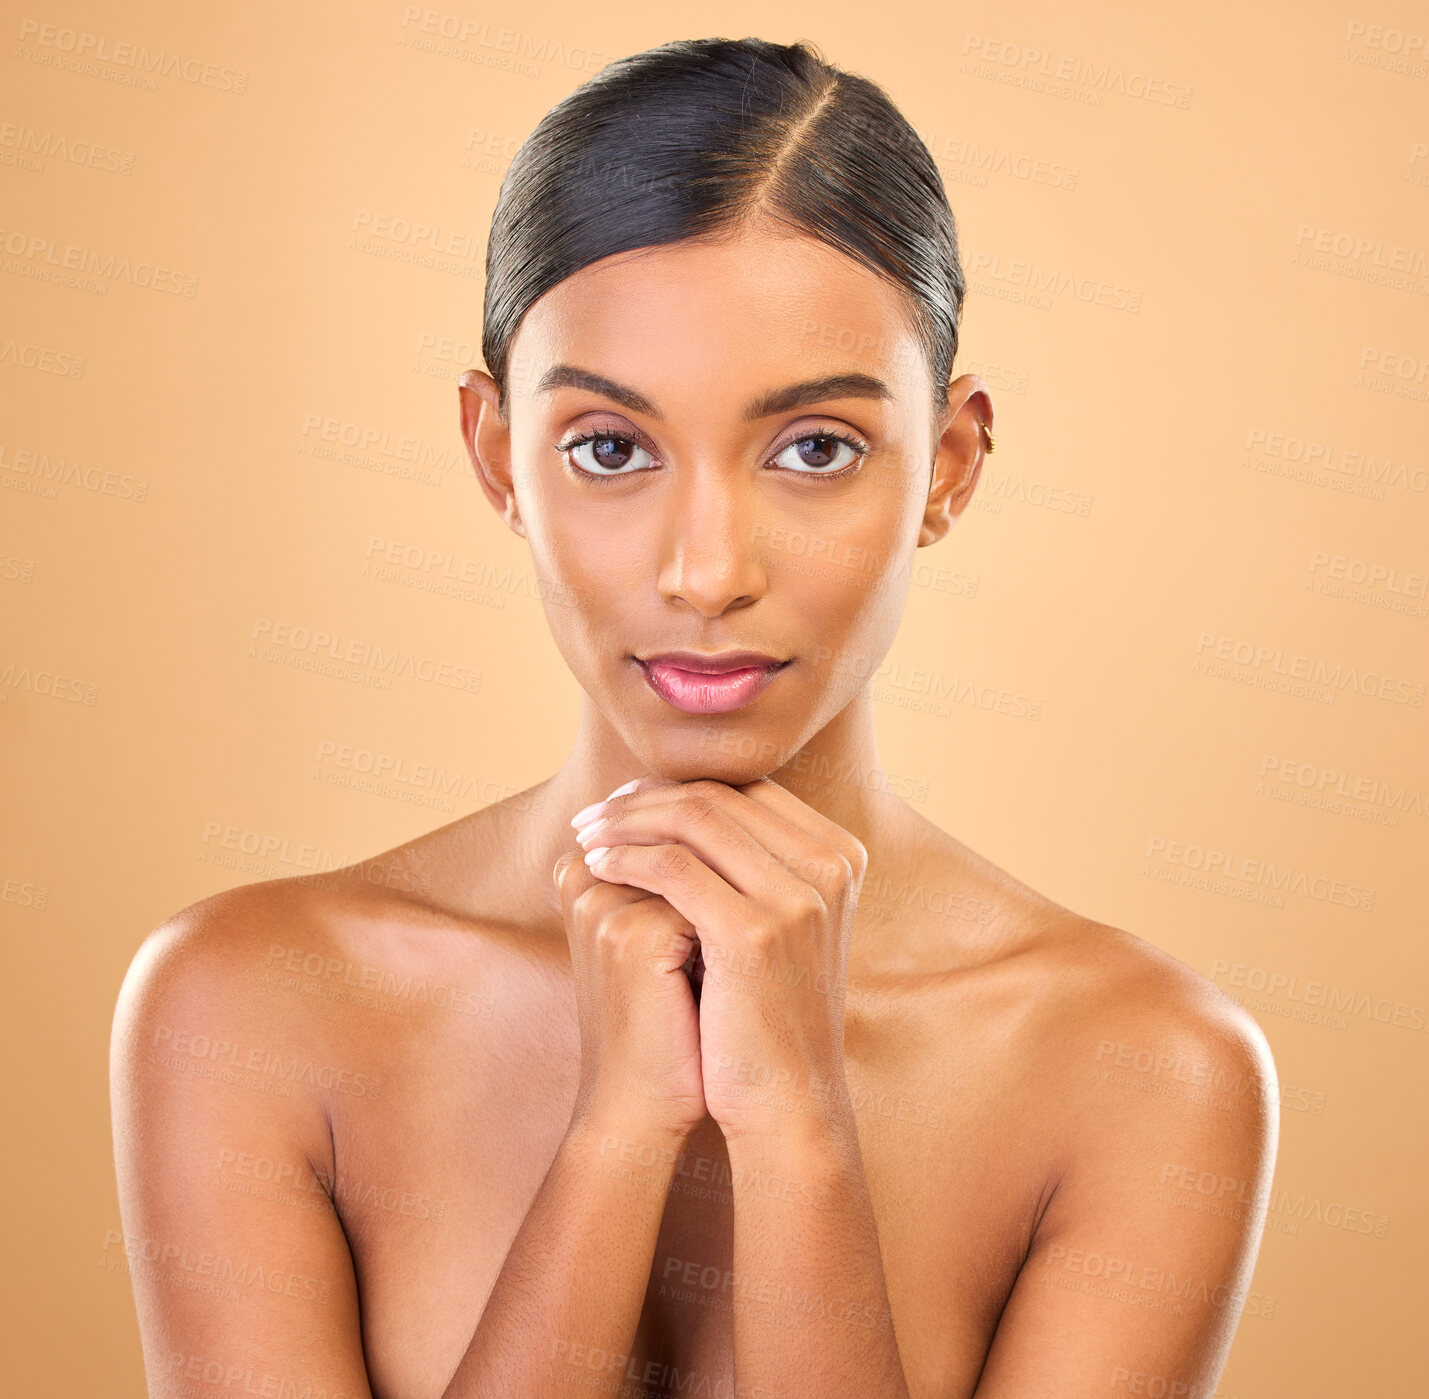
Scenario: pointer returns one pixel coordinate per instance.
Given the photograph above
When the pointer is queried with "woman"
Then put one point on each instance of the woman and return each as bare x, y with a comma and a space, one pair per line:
779, 1090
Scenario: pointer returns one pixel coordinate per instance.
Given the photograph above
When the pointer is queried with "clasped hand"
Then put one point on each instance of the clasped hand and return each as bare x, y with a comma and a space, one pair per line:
764, 890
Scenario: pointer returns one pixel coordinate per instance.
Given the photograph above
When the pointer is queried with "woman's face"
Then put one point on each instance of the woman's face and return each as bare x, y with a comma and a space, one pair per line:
686, 484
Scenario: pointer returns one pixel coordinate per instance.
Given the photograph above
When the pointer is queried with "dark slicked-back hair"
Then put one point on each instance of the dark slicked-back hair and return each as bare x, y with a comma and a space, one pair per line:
694, 138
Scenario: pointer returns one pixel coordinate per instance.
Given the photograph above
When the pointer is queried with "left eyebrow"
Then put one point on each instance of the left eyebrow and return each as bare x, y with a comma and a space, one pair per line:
848, 385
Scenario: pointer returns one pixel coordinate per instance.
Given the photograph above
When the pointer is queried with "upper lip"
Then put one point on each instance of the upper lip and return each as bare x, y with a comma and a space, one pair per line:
713, 662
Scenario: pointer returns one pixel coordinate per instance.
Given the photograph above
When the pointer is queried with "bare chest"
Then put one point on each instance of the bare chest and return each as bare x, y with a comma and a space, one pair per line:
434, 1176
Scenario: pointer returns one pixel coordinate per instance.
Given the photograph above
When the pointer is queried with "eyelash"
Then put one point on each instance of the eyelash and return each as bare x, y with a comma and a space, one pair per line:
833, 434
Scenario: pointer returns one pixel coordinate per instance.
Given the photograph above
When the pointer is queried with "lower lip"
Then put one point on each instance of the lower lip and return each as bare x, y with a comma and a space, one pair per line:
694, 692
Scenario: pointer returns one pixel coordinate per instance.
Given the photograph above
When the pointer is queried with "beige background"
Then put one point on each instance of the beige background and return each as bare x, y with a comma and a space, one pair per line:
1239, 284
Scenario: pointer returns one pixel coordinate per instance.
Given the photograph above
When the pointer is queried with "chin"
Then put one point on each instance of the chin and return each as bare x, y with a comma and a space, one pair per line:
713, 750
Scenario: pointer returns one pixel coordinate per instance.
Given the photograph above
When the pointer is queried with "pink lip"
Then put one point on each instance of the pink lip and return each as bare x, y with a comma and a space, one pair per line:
696, 692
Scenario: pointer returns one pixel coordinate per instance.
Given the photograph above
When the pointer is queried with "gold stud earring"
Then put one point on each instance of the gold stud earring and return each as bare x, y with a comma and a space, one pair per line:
987, 437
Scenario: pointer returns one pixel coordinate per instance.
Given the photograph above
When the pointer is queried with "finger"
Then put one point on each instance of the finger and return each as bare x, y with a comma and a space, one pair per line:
687, 812
574, 881
716, 909
706, 822
780, 801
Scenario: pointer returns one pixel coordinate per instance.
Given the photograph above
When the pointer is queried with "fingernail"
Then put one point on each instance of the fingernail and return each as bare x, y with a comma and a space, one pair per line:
585, 832
586, 812
628, 787
591, 856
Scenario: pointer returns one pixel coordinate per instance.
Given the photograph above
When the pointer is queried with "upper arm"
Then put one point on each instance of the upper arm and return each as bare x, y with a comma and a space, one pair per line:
1141, 1265
241, 1275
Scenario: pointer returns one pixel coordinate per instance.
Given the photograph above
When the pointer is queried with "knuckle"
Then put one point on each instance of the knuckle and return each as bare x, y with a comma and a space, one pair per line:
670, 861
613, 921
609, 934
808, 902
568, 873
760, 937
806, 868
593, 907
586, 906
695, 805
654, 915
627, 929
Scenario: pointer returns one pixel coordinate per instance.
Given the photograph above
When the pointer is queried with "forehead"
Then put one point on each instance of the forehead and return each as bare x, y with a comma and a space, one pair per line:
743, 311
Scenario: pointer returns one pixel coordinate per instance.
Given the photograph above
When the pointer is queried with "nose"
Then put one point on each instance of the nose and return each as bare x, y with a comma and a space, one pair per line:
709, 554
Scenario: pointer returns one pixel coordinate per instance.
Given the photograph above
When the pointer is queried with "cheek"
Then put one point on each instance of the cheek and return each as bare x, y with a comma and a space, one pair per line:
587, 582
569, 547
865, 592
847, 567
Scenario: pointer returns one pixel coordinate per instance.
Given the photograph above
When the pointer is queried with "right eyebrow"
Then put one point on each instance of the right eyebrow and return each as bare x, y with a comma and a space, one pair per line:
567, 376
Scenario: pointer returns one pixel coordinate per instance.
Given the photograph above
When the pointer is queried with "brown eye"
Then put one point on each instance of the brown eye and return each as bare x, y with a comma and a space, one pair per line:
605, 454
610, 453
819, 454
817, 451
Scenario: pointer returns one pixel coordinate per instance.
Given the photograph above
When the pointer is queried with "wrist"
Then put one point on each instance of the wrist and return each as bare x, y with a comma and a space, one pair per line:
819, 1131
799, 1104
630, 1133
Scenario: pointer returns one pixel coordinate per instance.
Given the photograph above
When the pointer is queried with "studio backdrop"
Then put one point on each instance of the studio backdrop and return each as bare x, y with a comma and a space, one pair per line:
1169, 667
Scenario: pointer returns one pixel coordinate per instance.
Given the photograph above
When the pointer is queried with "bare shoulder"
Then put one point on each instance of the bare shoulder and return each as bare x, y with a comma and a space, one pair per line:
292, 959
1092, 984
214, 950
197, 1005
1149, 1071
305, 986
221, 1093
1113, 1029
1132, 1008
1139, 1108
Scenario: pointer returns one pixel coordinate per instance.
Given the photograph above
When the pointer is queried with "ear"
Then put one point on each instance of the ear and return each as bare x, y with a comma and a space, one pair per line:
958, 457
488, 443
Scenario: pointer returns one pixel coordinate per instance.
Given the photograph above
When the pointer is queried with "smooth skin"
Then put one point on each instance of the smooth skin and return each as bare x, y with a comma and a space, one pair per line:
452, 1123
